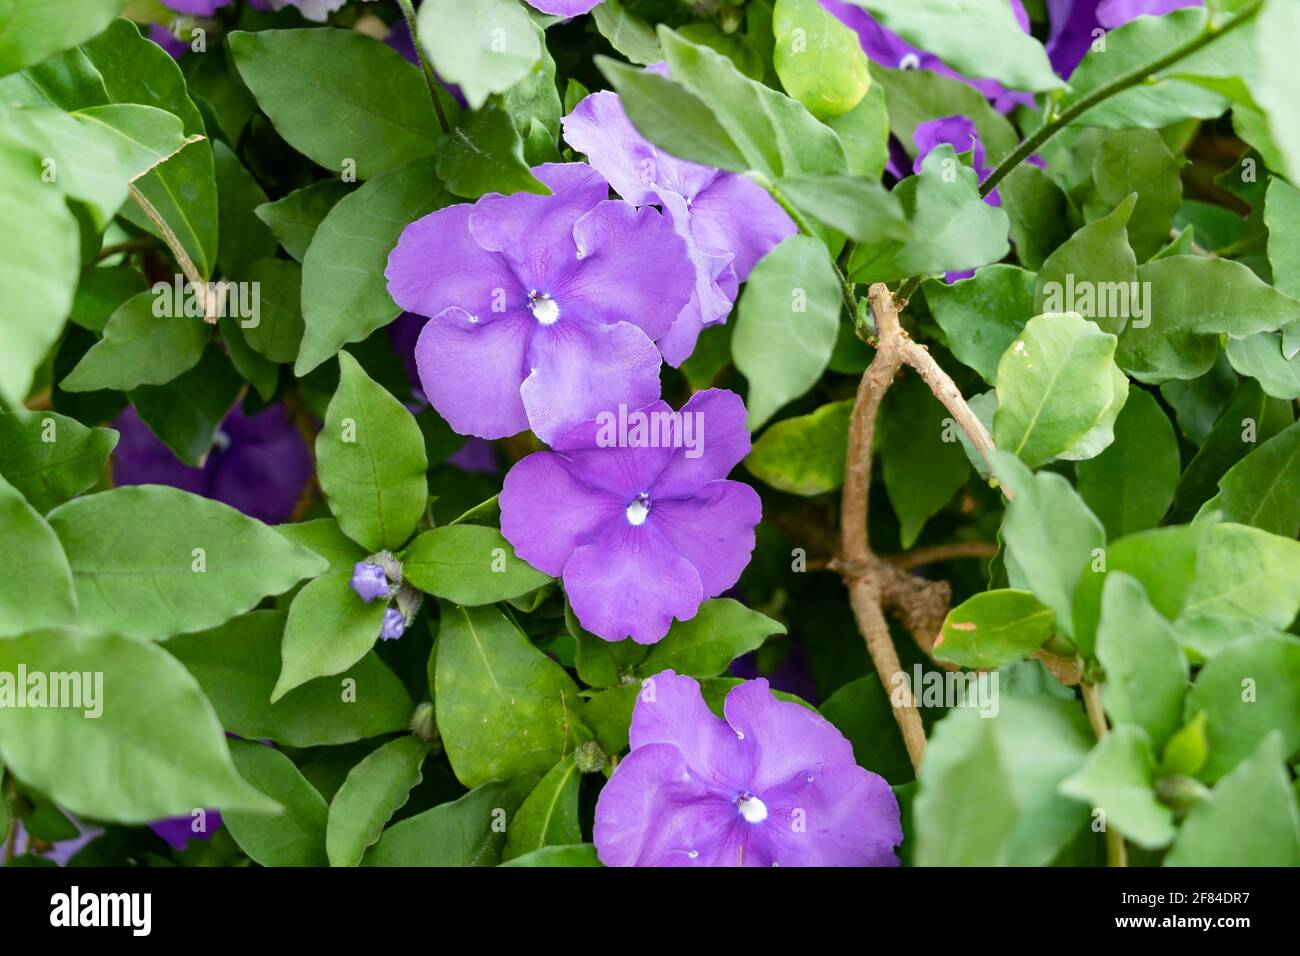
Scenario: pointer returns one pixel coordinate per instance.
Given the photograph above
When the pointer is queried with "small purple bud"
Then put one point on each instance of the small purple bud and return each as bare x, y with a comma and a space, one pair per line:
369, 581
394, 624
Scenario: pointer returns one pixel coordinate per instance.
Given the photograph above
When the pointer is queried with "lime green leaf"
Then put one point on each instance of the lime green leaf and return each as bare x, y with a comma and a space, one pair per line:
36, 590
50, 458
1237, 576
819, 60
468, 564
31, 30
578, 854
1263, 356
484, 48
804, 455
994, 628
627, 33
1118, 778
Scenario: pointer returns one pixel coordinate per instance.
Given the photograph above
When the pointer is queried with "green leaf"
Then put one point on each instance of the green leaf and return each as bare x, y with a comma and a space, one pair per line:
627, 33
237, 664
988, 788
470, 831
672, 117
141, 347
859, 208
1119, 778
372, 461
804, 455
1187, 749
324, 536
549, 816
483, 48
155, 749
374, 790
1262, 356
278, 329
994, 628
1282, 217
861, 711
953, 229
36, 590
1091, 272
915, 96
244, 238
186, 411
150, 561
31, 30
978, 38
1056, 384
1130, 485
296, 835
380, 115
1194, 299
1273, 86
1237, 576
345, 296
1036, 207
786, 324
99, 293
864, 131
819, 60
1146, 674
1263, 489
1249, 819
328, 631
1137, 162
50, 458
468, 564
262, 374
1247, 690
1050, 535
981, 316
923, 461
504, 708
706, 645
294, 219
485, 155
776, 135
38, 268
578, 854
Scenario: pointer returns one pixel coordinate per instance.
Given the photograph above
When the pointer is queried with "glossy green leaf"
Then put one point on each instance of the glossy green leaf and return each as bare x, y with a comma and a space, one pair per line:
981, 316
470, 831
994, 628
468, 564
1262, 356
140, 347
50, 458
37, 589
627, 33
329, 629
486, 155
705, 646
374, 790
803, 455
578, 854
296, 835
819, 60
549, 815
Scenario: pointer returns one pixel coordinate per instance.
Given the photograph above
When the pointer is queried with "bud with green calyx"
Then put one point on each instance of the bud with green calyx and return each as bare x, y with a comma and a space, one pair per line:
589, 757
423, 724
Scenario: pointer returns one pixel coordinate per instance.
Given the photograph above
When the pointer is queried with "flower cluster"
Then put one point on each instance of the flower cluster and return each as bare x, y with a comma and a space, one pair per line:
380, 576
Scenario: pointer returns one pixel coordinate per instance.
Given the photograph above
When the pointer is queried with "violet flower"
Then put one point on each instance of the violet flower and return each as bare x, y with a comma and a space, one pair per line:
643, 527
394, 625
258, 464
543, 308
1074, 24
887, 48
196, 8
793, 674
369, 581
61, 852
960, 133
178, 831
727, 221
563, 8
775, 784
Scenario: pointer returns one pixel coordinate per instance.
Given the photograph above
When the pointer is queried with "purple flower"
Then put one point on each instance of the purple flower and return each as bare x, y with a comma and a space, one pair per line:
197, 8
775, 784
640, 521
544, 308
1075, 24
476, 456
60, 852
369, 581
563, 8
728, 221
792, 674
258, 464
165, 39
178, 831
394, 625
960, 133
887, 48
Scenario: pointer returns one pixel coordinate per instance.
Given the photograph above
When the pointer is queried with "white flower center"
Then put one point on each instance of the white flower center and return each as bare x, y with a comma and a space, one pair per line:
638, 511
752, 809
910, 61
544, 308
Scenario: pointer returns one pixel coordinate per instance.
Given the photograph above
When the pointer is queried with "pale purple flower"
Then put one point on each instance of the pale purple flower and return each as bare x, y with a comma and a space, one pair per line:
1073, 23
563, 8
178, 831
196, 8
774, 784
792, 674
168, 41
476, 456
258, 464
727, 221
369, 581
544, 309
958, 132
60, 852
394, 625
887, 48
642, 528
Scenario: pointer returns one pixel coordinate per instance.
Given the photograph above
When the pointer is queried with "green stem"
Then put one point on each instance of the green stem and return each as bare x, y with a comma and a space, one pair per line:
409, 12
1133, 77
1116, 851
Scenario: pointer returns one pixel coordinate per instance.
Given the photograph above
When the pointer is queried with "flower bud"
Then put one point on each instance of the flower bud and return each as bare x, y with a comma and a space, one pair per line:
423, 724
369, 581
589, 757
394, 625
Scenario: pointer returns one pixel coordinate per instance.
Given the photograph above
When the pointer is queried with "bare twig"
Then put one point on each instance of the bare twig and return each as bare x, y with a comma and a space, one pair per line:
211, 307
943, 552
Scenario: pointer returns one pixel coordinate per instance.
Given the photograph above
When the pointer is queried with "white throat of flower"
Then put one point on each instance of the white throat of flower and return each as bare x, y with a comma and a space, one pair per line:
544, 308
638, 510
751, 808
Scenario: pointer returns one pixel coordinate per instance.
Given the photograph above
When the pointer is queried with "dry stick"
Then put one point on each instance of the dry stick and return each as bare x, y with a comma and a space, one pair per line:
1116, 852
859, 569
211, 308
942, 552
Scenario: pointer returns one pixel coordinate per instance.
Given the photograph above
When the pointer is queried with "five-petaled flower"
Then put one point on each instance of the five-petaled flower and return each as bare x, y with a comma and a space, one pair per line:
543, 308
774, 784
641, 532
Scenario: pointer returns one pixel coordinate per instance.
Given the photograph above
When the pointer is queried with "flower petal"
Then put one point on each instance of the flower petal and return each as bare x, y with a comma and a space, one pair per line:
714, 530
547, 512
736, 215
787, 739
841, 815
721, 440
670, 710
630, 582
599, 128
471, 371
580, 369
